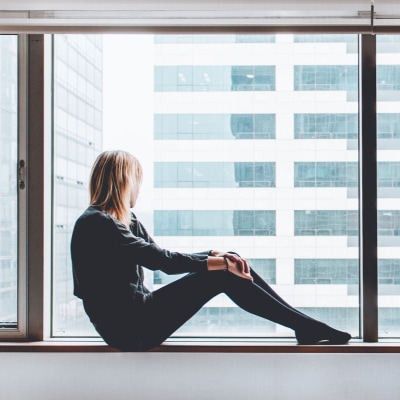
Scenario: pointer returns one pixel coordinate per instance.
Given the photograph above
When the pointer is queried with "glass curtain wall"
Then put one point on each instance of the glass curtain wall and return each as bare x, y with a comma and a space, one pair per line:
248, 142
8, 181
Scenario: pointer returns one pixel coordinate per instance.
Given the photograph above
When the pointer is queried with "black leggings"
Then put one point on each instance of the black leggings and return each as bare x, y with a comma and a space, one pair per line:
170, 307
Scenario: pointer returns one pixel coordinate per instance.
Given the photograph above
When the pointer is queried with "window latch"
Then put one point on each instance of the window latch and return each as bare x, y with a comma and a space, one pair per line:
21, 174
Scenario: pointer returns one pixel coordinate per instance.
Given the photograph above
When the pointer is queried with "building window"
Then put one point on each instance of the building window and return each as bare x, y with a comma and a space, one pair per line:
326, 223
389, 271
389, 174
389, 222
199, 78
325, 174
213, 174
325, 126
214, 223
388, 126
325, 77
326, 271
388, 77
213, 126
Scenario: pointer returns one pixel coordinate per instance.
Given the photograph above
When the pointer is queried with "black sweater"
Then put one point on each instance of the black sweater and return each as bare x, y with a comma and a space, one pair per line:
107, 260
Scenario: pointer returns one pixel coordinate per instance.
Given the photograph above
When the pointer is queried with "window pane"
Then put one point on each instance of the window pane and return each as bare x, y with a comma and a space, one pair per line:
388, 122
8, 181
242, 150
78, 139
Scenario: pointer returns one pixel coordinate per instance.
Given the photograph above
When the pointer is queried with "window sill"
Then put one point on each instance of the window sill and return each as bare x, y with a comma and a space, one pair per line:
205, 346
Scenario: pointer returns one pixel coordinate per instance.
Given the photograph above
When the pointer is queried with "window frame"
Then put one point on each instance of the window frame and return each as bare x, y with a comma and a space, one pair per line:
368, 194
22, 194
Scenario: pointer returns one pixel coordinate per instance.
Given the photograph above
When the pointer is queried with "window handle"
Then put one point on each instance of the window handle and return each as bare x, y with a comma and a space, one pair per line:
21, 174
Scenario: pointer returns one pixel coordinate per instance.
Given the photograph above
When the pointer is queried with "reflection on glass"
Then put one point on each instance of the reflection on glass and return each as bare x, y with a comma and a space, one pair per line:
388, 121
8, 181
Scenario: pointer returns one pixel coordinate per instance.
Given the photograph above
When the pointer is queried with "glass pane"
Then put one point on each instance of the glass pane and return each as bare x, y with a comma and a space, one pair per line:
8, 181
248, 142
78, 138
388, 126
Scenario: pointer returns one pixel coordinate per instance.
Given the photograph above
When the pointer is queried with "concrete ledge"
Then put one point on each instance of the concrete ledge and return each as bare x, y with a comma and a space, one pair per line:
205, 346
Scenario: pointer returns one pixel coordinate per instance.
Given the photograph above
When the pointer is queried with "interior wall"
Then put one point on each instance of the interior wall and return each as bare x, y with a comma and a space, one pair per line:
159, 376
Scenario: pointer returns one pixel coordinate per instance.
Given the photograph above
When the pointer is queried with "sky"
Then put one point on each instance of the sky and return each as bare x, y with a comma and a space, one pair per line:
128, 104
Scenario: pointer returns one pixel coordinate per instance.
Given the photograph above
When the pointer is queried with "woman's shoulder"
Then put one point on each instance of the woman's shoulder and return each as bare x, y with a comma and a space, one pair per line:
93, 213
93, 217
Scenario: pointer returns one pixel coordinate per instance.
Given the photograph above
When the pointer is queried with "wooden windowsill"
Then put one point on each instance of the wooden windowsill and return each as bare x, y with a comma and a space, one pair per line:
205, 346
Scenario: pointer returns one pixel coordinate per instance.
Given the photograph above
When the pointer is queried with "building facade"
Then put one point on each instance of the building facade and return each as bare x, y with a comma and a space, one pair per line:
266, 126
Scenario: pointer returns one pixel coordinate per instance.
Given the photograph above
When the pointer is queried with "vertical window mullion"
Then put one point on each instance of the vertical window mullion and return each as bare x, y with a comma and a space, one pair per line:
368, 188
36, 173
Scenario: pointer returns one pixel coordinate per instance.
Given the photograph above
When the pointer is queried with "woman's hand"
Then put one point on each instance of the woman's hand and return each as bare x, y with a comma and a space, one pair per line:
238, 266
231, 262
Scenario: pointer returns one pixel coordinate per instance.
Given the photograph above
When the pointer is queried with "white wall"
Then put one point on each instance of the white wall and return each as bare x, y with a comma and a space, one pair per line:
114, 376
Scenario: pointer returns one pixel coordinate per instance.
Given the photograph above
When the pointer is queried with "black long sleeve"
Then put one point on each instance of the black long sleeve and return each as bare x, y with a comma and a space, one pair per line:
107, 256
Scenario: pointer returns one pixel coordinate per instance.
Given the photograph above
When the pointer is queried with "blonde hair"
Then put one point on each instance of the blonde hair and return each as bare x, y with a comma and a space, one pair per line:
110, 182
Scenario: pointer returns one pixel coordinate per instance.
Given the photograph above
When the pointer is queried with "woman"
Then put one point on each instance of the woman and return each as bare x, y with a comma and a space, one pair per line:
110, 246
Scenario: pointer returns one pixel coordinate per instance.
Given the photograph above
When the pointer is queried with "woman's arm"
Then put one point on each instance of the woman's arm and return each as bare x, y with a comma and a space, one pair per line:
138, 229
135, 246
139, 245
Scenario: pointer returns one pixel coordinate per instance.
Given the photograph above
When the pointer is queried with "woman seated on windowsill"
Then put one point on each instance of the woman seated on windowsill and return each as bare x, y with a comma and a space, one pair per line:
110, 247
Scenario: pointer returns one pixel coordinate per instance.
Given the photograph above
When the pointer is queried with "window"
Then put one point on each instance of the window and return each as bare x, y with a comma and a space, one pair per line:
229, 162
326, 223
388, 176
78, 139
214, 223
326, 126
325, 77
388, 127
213, 78
388, 118
388, 79
213, 174
226, 154
10, 320
327, 271
213, 126
326, 174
